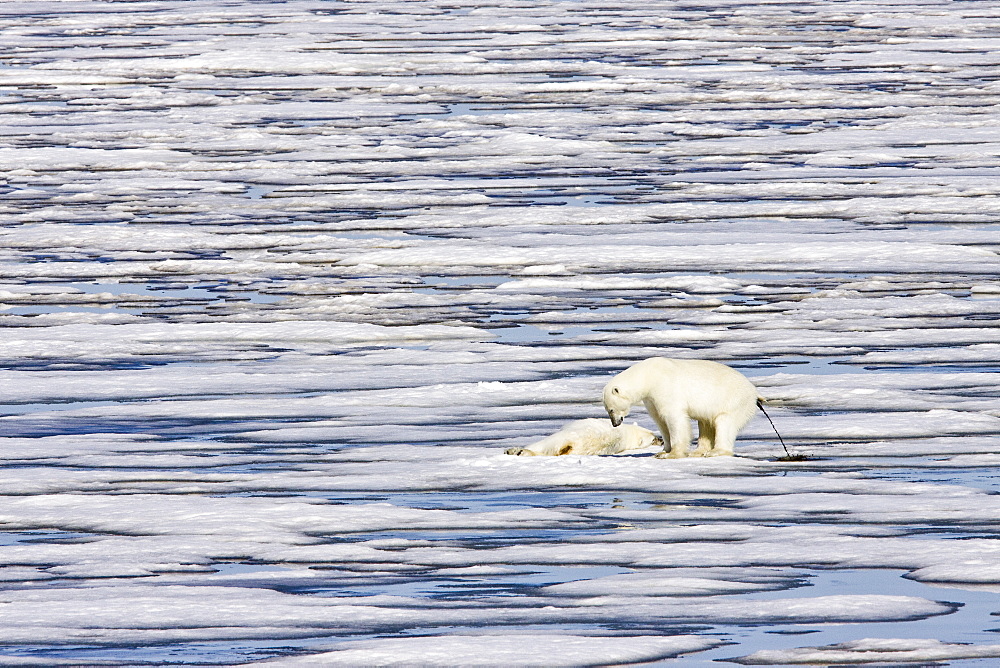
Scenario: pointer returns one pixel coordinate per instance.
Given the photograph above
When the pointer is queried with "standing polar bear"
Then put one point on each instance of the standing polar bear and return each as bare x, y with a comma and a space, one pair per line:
675, 391
590, 437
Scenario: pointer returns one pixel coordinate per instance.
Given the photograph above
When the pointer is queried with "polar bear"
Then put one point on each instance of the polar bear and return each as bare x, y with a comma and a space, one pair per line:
591, 436
675, 391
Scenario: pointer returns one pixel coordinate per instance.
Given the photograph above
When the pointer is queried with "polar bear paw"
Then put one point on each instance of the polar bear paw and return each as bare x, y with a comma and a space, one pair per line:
670, 455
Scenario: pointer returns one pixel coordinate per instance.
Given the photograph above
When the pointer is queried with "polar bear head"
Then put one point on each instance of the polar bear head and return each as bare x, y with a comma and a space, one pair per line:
616, 403
634, 437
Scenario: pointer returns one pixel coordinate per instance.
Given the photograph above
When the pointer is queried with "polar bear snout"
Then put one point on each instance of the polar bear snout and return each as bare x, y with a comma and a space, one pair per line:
616, 420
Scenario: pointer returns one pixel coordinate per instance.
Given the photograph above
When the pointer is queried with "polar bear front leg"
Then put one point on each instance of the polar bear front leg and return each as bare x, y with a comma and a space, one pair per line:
676, 430
520, 452
706, 439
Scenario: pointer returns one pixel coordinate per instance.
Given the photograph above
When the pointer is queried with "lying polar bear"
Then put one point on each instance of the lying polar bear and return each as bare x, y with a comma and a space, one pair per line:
674, 392
591, 436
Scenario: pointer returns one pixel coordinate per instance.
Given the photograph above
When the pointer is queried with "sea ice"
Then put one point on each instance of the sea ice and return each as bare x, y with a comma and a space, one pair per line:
497, 649
872, 650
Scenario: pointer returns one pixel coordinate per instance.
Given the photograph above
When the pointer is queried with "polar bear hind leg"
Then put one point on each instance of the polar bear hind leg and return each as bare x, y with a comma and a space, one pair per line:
727, 426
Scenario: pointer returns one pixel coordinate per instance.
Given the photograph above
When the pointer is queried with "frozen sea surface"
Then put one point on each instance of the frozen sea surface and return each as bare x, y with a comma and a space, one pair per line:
280, 281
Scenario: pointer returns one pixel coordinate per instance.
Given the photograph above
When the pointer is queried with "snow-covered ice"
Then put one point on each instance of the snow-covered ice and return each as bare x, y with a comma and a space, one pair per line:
281, 281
